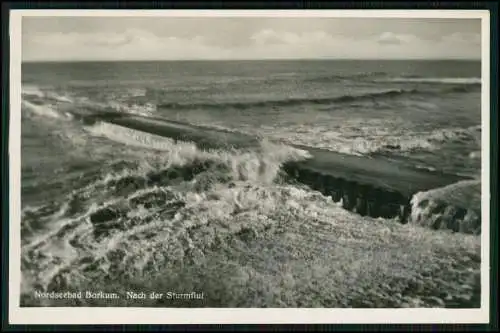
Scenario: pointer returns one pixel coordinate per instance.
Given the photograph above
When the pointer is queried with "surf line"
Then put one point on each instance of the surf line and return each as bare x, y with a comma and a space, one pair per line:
366, 185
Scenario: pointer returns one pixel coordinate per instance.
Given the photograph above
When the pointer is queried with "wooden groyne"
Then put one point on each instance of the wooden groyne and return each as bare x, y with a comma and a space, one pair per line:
372, 186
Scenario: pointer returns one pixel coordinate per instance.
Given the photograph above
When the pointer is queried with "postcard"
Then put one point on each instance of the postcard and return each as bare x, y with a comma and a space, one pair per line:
249, 166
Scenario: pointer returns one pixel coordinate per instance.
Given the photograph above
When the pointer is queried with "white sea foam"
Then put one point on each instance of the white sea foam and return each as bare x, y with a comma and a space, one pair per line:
59, 98
40, 110
135, 138
456, 207
442, 80
259, 165
32, 90
369, 139
475, 154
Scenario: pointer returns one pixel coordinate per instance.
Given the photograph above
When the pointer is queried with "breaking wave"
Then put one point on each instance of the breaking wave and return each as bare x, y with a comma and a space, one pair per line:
355, 76
384, 77
161, 196
430, 141
372, 96
132, 137
438, 80
142, 109
261, 163
33, 91
367, 143
40, 110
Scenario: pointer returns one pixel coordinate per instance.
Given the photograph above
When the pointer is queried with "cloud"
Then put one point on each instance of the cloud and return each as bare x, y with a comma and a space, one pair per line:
111, 41
268, 37
463, 38
75, 39
266, 43
271, 37
132, 44
390, 38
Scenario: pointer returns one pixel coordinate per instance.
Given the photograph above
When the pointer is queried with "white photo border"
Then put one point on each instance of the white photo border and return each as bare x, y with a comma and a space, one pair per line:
134, 315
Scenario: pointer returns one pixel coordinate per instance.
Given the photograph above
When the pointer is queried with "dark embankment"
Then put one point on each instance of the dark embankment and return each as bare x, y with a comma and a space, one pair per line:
204, 137
369, 186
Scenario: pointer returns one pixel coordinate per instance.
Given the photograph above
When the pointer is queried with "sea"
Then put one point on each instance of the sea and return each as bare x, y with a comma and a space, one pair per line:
226, 223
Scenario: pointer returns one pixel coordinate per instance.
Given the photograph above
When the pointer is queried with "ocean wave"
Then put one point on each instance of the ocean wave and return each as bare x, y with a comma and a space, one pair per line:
343, 77
137, 180
437, 80
113, 105
430, 140
371, 96
45, 109
36, 92
58, 98
31, 90
41, 110
385, 77
136, 92
130, 101
452, 134
158, 93
266, 159
366, 140
136, 200
134, 138
145, 109
475, 154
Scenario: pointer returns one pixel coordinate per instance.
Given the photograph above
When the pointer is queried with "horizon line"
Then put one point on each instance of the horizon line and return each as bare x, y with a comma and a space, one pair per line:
256, 60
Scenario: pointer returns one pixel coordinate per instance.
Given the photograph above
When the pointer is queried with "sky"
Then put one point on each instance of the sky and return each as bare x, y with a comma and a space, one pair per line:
222, 38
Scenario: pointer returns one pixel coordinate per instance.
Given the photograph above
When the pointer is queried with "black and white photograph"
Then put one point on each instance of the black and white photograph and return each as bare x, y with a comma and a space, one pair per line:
245, 161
